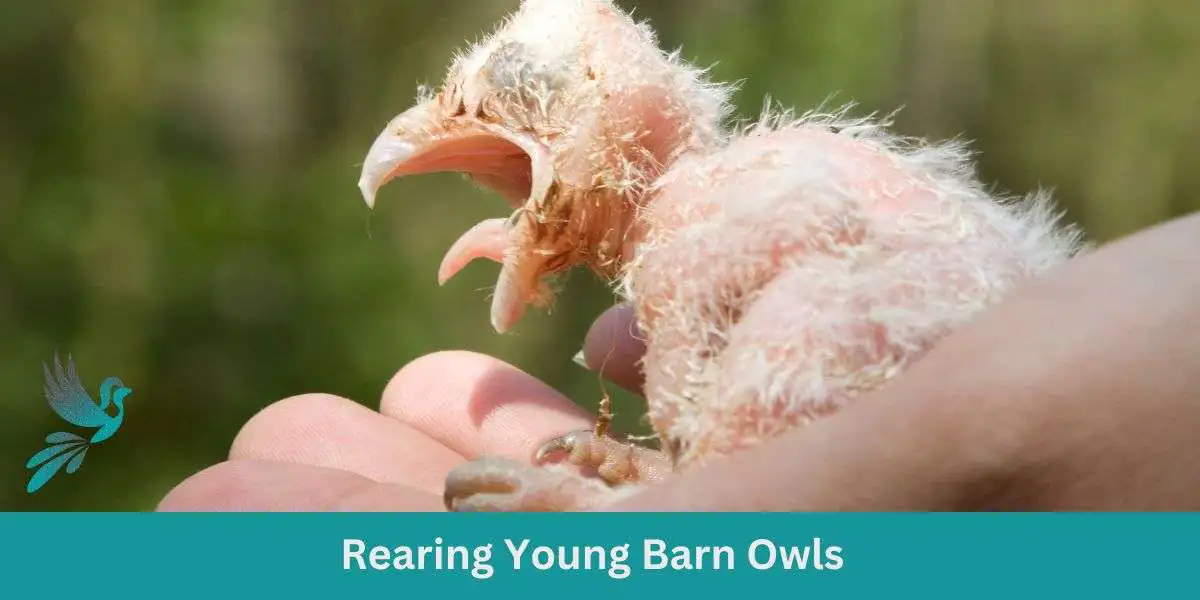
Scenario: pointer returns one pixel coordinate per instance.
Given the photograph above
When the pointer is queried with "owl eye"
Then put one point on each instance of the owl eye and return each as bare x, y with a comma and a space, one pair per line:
513, 70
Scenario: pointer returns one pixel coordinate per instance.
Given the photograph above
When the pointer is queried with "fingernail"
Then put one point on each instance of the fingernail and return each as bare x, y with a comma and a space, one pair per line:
580, 360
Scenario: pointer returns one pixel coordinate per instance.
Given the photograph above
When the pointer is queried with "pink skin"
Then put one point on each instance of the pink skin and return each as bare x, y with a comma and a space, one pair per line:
1080, 399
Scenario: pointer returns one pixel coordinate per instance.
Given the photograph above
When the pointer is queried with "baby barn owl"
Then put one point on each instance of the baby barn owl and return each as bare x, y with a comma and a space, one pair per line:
778, 270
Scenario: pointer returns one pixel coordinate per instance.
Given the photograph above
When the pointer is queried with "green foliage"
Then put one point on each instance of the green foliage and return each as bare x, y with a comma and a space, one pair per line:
178, 202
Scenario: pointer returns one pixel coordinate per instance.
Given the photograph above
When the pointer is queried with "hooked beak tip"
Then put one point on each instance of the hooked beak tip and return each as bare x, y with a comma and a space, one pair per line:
387, 153
368, 192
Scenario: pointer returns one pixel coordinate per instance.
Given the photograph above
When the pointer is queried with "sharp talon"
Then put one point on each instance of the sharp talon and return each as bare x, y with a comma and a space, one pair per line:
562, 443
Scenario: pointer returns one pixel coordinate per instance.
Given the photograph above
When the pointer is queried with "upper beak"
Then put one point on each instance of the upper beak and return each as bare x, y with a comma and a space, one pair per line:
394, 147
516, 166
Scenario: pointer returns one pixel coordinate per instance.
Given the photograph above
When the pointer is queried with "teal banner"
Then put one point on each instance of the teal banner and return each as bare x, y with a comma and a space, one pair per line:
576, 556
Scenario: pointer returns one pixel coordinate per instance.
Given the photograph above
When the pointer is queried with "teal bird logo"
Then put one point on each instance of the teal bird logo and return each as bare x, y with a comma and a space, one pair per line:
71, 401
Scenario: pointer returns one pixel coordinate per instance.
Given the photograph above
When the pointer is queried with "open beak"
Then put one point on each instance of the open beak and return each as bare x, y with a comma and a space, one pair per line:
491, 154
516, 166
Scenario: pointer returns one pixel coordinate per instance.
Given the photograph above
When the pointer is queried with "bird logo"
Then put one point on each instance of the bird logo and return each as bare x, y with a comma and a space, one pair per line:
71, 401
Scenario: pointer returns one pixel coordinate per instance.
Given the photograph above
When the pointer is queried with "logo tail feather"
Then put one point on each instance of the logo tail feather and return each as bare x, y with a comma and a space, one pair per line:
60, 437
77, 461
50, 452
51, 468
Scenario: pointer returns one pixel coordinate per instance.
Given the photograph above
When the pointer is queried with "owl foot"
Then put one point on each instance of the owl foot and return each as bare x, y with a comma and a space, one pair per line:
616, 462
610, 470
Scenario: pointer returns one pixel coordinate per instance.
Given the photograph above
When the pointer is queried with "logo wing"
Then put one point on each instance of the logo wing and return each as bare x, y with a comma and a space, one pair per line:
67, 397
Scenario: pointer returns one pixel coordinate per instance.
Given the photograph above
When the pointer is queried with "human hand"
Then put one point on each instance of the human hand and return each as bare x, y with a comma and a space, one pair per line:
319, 452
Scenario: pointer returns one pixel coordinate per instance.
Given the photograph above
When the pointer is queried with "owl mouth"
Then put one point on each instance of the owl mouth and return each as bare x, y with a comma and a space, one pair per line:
516, 166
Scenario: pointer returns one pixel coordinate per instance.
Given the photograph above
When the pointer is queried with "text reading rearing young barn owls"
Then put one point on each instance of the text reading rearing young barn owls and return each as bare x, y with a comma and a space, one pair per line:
615, 561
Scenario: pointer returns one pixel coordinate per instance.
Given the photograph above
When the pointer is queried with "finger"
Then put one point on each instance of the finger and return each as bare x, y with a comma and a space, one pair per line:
614, 347
328, 431
252, 485
477, 405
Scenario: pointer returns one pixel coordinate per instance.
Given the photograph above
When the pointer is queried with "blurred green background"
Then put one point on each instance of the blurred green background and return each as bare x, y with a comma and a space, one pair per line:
178, 202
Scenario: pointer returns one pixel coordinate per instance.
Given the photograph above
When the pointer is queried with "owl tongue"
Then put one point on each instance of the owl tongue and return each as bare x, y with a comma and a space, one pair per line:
487, 240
